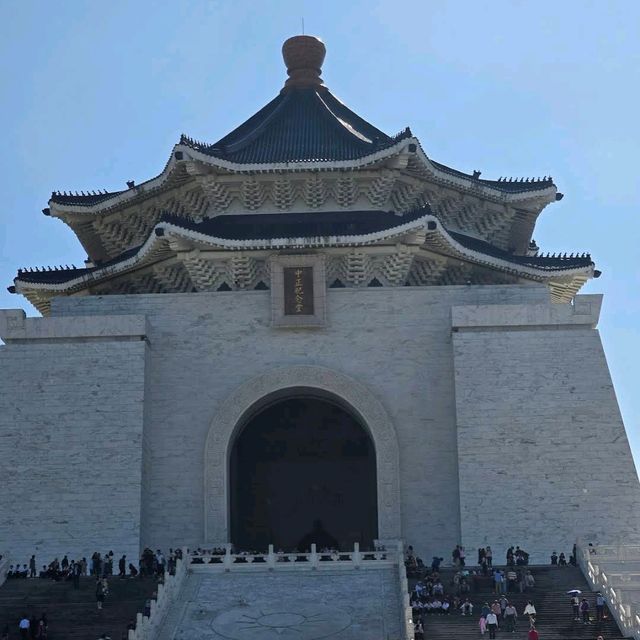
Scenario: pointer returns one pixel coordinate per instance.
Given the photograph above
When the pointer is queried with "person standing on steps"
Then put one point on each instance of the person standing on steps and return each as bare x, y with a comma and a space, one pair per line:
99, 594
529, 581
575, 605
32, 567
488, 554
76, 571
42, 631
584, 609
498, 580
455, 557
530, 611
599, 607
492, 624
510, 617
24, 625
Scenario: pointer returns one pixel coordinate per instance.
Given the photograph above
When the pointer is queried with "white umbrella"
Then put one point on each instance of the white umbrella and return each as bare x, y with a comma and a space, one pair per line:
576, 592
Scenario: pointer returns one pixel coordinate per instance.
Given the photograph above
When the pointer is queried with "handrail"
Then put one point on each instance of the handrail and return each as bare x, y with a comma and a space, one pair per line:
406, 622
147, 627
590, 561
207, 560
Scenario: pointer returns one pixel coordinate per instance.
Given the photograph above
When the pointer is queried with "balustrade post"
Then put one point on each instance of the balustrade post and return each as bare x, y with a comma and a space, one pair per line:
357, 556
228, 560
131, 635
271, 558
314, 556
138, 622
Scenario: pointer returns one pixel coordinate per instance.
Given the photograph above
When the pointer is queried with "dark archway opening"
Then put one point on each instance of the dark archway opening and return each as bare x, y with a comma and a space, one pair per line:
297, 462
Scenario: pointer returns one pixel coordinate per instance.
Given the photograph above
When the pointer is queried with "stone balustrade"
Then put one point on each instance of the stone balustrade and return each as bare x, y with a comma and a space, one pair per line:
147, 626
4, 568
618, 553
406, 614
205, 560
615, 585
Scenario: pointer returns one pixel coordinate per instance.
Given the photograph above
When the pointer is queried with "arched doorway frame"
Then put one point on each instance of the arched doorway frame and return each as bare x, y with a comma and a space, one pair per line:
256, 393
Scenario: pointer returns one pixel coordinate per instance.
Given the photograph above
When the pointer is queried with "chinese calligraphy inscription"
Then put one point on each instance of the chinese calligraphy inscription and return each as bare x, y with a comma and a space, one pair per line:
298, 291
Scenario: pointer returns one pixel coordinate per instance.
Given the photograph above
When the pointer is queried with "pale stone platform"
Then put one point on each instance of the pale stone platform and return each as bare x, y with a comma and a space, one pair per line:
353, 605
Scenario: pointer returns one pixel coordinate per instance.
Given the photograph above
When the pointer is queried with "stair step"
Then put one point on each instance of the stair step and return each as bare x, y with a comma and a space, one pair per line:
72, 613
555, 617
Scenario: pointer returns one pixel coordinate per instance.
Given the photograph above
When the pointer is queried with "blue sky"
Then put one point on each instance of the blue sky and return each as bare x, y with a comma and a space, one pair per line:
96, 93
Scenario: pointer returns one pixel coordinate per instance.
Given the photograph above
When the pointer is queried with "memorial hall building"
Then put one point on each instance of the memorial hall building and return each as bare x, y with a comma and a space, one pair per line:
310, 330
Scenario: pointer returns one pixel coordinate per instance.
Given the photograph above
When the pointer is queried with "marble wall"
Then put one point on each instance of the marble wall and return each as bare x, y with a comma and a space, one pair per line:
501, 404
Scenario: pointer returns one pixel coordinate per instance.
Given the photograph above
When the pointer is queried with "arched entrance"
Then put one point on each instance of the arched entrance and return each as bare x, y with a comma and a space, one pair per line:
303, 470
278, 384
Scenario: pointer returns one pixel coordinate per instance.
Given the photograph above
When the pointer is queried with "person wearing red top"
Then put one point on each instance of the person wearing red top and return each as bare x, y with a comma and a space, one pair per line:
533, 634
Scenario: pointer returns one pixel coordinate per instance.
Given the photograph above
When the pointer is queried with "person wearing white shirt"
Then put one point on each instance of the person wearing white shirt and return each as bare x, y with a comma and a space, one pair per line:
530, 611
492, 624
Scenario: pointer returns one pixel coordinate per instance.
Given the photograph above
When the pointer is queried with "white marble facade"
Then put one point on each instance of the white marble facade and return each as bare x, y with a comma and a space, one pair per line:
492, 412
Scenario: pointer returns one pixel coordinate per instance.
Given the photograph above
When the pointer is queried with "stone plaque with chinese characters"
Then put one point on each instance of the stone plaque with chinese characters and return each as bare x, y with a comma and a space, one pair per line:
298, 291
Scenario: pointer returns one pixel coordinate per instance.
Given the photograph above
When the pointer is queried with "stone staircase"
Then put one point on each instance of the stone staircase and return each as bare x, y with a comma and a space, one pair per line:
73, 614
286, 604
554, 620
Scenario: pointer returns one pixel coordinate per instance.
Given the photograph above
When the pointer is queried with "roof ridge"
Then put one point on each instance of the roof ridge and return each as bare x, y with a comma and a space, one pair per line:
283, 100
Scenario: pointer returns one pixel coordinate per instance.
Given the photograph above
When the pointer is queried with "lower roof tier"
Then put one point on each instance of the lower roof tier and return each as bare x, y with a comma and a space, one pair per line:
232, 252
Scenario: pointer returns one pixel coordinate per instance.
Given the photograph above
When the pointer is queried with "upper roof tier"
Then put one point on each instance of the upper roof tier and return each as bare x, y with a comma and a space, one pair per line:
305, 152
304, 123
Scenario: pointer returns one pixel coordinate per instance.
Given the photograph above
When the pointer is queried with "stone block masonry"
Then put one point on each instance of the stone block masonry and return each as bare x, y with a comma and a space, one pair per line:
543, 454
71, 419
203, 347
507, 426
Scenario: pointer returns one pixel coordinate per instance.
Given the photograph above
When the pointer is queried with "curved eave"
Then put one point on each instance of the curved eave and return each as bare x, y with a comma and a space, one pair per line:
58, 210
443, 242
546, 194
163, 232
430, 232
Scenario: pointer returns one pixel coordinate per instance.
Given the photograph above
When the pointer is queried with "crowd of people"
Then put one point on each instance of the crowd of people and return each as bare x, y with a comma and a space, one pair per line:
100, 567
433, 595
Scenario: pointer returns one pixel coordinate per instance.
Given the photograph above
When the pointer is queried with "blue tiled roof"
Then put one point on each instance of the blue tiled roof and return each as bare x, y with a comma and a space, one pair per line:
300, 125
510, 185
82, 198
